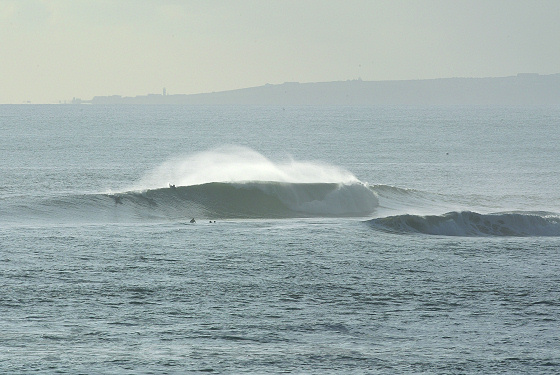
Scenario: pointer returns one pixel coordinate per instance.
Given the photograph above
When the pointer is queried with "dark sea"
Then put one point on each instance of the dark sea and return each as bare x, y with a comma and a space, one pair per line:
265, 240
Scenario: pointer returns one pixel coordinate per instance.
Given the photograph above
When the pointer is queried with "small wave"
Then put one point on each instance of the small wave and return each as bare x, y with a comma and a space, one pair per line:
467, 223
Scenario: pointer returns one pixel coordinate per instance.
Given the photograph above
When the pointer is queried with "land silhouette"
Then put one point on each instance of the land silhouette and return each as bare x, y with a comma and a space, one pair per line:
522, 89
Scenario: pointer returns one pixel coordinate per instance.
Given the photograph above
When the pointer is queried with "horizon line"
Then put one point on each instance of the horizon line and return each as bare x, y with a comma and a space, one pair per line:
78, 100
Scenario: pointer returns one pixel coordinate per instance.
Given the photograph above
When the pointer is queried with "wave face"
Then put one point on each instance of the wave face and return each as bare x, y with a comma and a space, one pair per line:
216, 200
254, 200
467, 223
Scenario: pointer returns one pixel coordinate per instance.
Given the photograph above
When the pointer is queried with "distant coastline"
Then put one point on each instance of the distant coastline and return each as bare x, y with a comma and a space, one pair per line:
522, 89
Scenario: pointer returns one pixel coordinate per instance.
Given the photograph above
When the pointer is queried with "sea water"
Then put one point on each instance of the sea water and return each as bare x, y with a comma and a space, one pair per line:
326, 239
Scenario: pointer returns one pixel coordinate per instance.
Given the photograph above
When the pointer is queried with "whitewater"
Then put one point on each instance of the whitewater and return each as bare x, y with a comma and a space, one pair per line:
324, 239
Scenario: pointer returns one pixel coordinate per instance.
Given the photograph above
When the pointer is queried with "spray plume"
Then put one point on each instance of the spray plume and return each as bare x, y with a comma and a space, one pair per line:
240, 164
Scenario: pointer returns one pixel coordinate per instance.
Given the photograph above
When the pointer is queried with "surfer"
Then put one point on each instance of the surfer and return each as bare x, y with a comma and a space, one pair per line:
171, 186
193, 221
118, 199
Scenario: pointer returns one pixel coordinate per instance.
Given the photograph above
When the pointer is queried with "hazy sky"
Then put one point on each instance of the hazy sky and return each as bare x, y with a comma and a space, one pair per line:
59, 49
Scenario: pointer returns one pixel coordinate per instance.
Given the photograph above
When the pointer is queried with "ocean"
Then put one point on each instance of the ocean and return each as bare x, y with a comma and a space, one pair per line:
314, 240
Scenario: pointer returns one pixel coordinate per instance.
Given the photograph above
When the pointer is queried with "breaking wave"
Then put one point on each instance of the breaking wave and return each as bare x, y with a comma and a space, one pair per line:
216, 200
224, 183
250, 200
467, 223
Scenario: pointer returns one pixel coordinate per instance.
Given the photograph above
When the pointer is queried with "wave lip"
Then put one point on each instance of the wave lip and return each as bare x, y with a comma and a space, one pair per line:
472, 224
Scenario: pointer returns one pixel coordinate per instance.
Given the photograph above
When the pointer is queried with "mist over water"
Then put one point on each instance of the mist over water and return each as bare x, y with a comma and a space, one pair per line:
240, 164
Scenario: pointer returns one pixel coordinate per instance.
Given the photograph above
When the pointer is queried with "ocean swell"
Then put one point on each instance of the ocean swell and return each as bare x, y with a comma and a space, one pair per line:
256, 199
472, 224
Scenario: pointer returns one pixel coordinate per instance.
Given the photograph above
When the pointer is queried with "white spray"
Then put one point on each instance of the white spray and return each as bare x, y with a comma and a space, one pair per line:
240, 164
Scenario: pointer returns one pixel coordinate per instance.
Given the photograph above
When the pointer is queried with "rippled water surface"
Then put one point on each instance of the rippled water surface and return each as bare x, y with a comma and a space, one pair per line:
102, 276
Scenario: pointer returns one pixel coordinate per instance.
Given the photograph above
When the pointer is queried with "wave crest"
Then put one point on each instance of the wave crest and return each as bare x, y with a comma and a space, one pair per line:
238, 164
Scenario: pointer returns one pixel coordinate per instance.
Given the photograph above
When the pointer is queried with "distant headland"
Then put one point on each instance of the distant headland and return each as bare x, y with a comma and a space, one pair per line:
522, 89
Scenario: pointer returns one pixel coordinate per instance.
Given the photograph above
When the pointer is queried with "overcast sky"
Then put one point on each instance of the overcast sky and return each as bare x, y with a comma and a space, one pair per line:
59, 49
